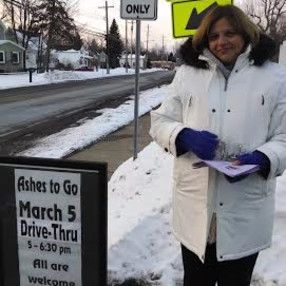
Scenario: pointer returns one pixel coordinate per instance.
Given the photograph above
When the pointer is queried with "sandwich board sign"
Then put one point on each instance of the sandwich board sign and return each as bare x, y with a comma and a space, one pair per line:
138, 9
187, 15
53, 222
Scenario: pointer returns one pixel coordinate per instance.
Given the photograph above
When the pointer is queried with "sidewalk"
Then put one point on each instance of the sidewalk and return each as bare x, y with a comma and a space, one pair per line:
118, 146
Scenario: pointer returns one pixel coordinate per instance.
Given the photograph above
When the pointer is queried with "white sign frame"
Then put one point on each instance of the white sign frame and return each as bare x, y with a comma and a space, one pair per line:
147, 9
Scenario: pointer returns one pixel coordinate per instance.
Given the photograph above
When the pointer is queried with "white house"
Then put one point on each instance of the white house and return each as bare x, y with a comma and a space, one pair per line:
77, 59
282, 54
132, 59
11, 54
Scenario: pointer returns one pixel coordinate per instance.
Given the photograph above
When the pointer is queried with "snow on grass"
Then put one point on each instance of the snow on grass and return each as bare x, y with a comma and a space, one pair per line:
22, 79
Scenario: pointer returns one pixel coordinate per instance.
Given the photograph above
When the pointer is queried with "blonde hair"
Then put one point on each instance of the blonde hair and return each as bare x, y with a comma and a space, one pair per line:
236, 17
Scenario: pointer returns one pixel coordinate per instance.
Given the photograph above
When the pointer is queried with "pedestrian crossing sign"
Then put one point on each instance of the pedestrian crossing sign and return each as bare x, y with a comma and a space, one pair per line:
187, 15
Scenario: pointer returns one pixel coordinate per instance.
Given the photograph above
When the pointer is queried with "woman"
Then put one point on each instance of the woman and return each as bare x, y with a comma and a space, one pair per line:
226, 101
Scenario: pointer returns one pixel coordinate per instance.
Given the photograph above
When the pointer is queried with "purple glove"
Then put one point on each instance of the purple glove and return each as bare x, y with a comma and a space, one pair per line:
255, 158
202, 143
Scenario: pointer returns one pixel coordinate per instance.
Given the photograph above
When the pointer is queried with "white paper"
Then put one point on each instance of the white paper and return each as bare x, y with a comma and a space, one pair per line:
227, 167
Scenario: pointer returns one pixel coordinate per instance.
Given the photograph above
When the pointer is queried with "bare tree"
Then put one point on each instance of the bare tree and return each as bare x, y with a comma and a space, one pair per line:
20, 14
270, 16
73, 7
3, 12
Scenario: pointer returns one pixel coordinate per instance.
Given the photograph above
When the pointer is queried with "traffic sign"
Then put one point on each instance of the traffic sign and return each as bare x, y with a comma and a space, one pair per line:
187, 15
138, 9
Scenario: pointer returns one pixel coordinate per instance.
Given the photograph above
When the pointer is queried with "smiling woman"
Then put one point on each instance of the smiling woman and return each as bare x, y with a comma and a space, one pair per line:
226, 33
225, 42
227, 93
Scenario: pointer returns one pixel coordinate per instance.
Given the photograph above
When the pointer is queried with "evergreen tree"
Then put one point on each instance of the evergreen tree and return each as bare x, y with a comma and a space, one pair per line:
93, 47
171, 57
115, 45
57, 27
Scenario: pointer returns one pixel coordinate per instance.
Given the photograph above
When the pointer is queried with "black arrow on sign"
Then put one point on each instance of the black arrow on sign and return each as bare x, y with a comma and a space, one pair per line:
195, 18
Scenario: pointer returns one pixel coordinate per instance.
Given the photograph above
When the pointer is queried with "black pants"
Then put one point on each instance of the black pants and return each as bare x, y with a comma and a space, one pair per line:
225, 273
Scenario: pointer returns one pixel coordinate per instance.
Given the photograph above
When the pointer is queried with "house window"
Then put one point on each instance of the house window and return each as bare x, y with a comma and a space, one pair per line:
2, 57
15, 57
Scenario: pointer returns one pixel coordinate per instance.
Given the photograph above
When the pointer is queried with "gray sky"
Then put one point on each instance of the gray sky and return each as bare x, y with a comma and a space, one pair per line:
160, 29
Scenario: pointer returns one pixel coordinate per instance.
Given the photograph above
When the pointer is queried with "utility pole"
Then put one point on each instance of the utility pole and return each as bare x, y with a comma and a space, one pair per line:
163, 47
147, 40
50, 34
106, 7
40, 53
126, 47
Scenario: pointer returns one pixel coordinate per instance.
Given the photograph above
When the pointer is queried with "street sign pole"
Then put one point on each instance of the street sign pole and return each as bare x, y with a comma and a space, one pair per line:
137, 71
137, 10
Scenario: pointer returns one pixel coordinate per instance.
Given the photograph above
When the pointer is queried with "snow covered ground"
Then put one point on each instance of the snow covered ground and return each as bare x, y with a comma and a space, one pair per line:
22, 79
140, 241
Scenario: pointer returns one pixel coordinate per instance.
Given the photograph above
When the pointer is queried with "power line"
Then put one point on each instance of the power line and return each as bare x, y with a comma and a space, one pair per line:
90, 28
14, 2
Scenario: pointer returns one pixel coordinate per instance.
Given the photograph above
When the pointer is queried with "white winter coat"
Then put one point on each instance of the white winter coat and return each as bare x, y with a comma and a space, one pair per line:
248, 110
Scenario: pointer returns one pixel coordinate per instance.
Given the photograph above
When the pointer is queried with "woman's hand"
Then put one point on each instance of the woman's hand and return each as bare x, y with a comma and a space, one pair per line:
201, 143
254, 158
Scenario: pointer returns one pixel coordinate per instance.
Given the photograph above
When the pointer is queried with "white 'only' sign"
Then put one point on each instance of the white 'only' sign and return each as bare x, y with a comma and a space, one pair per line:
138, 9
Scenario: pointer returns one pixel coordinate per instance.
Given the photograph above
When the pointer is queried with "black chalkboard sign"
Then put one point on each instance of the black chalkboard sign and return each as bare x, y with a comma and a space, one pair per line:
53, 222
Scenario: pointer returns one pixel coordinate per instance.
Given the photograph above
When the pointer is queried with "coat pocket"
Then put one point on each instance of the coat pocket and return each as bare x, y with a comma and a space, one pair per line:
256, 186
186, 177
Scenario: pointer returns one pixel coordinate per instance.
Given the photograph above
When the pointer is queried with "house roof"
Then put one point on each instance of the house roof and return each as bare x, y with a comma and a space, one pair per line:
3, 42
73, 54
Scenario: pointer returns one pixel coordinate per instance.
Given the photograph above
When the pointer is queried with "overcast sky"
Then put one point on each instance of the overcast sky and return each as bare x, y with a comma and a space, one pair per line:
160, 29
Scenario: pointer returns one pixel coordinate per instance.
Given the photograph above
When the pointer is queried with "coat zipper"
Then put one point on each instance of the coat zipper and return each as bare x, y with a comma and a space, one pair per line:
188, 111
190, 100
225, 85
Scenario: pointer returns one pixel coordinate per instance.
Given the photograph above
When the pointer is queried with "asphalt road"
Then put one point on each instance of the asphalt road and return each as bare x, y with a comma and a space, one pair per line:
30, 113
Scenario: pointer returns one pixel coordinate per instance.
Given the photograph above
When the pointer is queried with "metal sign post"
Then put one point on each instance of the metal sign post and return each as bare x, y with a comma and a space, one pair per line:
138, 10
136, 105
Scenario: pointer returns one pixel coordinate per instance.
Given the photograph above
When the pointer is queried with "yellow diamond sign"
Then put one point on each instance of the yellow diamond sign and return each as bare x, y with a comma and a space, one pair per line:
187, 15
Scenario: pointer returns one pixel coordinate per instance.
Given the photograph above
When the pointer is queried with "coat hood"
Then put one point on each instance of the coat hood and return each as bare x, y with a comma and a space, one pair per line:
264, 50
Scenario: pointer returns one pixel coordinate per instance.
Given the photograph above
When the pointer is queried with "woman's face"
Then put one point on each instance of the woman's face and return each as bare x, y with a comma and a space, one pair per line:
224, 42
